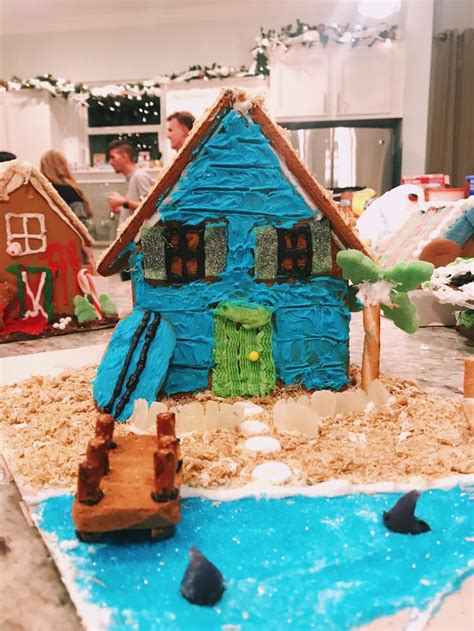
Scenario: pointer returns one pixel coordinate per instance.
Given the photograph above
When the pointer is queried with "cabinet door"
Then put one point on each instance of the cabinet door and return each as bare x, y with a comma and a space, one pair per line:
365, 83
300, 85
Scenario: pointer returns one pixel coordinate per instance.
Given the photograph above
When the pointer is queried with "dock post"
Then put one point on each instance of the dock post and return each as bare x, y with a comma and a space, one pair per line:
97, 454
104, 428
165, 424
164, 469
88, 484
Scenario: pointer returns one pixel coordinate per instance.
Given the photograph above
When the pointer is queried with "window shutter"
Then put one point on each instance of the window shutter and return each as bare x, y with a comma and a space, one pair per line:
215, 247
321, 244
266, 252
153, 248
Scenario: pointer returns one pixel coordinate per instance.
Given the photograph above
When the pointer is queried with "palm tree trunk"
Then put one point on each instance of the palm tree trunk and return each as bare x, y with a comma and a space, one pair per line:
371, 353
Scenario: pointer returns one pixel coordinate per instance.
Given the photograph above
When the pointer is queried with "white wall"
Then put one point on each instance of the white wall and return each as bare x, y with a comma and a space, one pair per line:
139, 51
419, 39
453, 14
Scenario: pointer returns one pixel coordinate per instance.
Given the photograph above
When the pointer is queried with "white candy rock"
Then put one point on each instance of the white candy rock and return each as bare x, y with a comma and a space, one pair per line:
378, 393
254, 428
189, 418
280, 415
212, 415
324, 403
249, 408
230, 417
272, 473
304, 400
262, 444
139, 416
290, 416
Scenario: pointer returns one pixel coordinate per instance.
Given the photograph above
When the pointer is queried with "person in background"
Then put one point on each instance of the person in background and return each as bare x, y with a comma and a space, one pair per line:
54, 166
5, 156
178, 128
122, 159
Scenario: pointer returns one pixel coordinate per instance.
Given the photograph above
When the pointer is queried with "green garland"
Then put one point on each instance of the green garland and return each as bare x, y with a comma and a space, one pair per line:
307, 35
302, 34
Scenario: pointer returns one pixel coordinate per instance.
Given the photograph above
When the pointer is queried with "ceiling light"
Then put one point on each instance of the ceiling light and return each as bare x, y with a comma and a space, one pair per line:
378, 9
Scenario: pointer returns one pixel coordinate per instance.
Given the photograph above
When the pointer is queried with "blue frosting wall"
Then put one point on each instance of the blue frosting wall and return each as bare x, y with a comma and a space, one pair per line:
236, 175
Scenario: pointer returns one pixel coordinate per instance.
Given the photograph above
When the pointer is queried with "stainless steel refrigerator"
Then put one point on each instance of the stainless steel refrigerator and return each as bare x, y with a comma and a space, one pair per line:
346, 157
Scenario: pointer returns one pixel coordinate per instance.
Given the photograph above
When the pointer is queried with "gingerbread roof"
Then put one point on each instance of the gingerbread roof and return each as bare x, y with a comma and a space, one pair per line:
16, 173
342, 225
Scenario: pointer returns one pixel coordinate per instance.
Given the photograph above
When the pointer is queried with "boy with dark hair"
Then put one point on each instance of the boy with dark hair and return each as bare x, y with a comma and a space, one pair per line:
178, 128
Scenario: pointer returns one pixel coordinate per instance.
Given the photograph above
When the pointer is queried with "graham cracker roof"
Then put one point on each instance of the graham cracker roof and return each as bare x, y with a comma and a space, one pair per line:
342, 226
16, 173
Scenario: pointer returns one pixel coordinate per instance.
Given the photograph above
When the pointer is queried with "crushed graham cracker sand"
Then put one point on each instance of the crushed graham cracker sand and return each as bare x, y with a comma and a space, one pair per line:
46, 423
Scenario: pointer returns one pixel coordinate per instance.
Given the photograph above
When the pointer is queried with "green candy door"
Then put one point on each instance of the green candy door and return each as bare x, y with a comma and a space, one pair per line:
243, 351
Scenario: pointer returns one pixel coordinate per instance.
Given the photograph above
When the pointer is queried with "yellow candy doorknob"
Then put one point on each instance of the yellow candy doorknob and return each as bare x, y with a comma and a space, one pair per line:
254, 356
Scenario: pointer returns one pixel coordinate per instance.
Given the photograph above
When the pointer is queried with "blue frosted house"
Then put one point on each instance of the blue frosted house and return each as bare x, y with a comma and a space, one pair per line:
232, 258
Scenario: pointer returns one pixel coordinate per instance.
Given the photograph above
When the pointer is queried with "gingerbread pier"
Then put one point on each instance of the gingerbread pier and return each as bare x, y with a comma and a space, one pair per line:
129, 483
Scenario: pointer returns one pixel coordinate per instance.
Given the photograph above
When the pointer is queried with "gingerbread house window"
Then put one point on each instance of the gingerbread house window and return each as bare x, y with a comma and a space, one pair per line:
178, 253
294, 252
26, 233
184, 253
299, 252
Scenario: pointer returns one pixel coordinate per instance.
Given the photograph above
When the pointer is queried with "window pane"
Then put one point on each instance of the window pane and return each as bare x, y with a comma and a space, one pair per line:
112, 111
98, 145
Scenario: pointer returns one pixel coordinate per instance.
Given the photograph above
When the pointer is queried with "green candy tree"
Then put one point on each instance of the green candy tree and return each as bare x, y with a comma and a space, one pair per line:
385, 289
84, 310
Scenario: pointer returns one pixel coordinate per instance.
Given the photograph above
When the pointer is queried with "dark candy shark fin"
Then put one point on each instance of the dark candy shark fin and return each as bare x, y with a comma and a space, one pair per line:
401, 517
202, 584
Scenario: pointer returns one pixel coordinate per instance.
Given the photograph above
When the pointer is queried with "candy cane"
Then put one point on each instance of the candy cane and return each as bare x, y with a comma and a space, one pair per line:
87, 286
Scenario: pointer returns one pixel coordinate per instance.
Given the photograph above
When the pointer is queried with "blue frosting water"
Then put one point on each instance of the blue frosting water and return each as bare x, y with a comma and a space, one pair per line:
299, 563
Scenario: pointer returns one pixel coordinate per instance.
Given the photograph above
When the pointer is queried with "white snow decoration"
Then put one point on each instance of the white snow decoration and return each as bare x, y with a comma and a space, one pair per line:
262, 444
377, 293
62, 323
441, 278
243, 107
370, 407
272, 473
254, 428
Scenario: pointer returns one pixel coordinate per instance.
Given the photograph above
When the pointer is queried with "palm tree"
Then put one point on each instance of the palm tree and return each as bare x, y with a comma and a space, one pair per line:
385, 289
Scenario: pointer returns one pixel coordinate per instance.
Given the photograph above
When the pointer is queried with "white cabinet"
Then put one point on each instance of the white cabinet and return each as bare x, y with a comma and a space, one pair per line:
300, 85
369, 83
333, 84
32, 122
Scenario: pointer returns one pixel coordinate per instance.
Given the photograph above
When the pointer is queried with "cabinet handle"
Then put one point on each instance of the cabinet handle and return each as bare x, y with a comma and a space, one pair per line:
338, 103
325, 103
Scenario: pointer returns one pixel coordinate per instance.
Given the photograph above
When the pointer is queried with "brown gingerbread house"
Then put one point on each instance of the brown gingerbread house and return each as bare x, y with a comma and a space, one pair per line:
41, 241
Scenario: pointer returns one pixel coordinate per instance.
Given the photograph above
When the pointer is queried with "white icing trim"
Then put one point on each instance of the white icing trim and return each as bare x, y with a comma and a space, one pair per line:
35, 298
330, 488
458, 208
13, 237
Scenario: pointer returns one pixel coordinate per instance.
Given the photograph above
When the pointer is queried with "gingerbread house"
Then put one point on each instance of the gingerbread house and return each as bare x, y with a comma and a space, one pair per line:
438, 231
233, 264
41, 241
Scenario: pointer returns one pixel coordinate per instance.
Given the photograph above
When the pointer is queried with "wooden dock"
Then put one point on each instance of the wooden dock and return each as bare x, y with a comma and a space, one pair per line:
127, 502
